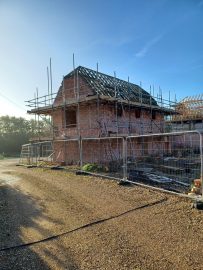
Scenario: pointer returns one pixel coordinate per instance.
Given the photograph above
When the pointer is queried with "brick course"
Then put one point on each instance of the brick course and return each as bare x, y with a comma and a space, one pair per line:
96, 119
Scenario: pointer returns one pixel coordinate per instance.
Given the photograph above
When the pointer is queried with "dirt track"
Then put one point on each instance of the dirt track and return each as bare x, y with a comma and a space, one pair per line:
36, 204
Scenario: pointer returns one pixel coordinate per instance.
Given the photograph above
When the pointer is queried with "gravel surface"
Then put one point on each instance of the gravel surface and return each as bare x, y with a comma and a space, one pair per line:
38, 203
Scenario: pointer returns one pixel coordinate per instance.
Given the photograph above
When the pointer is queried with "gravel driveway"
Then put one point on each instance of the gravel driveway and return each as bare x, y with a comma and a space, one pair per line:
36, 204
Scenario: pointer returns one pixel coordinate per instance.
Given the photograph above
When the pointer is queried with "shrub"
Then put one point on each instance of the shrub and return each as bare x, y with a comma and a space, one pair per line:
92, 167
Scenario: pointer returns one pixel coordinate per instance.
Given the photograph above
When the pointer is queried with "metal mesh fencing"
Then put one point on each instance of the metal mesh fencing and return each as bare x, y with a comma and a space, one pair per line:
166, 160
34, 153
72, 153
103, 155
171, 160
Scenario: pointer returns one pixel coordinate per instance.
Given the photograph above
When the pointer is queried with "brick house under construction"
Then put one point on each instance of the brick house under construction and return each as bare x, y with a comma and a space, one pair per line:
190, 114
89, 105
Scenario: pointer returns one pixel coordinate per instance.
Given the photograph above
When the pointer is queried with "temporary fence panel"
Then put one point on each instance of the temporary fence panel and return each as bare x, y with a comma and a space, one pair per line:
103, 155
25, 156
168, 160
34, 153
72, 152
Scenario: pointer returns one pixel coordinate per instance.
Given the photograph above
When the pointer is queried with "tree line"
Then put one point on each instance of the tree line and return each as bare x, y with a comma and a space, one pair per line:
15, 131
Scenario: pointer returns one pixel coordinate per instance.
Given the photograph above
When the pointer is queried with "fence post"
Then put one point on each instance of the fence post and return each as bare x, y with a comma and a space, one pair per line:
124, 158
201, 158
29, 154
81, 155
34, 153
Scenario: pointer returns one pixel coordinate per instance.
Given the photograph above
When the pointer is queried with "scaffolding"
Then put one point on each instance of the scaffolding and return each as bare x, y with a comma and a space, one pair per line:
123, 97
118, 128
127, 105
190, 108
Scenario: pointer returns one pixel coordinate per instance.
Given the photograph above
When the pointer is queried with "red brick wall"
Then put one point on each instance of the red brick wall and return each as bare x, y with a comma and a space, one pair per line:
70, 90
93, 151
100, 120
107, 150
59, 153
96, 121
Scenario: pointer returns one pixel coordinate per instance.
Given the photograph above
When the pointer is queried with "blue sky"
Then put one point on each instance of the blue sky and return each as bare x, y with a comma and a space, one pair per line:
157, 42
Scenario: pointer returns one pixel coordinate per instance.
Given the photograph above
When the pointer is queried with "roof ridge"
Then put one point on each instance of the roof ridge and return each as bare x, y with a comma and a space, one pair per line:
108, 85
106, 75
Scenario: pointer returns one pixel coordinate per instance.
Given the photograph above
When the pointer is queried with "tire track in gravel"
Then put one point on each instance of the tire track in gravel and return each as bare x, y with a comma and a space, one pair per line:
161, 237
83, 198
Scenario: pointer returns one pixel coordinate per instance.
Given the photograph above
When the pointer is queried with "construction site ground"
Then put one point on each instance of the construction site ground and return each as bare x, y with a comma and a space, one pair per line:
140, 229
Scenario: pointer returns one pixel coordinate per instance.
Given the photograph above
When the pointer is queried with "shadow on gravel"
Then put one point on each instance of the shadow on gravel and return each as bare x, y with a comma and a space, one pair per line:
19, 211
